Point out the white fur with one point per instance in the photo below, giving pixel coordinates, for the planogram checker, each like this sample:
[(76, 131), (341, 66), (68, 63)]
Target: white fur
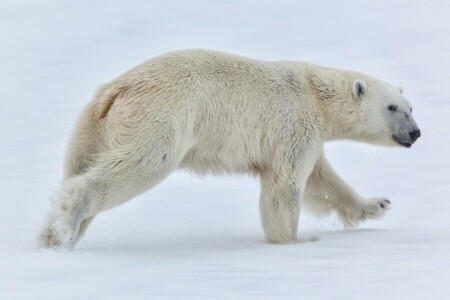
[(211, 112)]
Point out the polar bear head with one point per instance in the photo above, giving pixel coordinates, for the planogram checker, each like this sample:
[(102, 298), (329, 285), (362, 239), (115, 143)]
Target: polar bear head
[(384, 113)]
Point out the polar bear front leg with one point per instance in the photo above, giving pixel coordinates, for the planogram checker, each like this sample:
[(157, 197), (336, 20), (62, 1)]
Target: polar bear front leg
[(280, 208), (326, 191), (282, 189)]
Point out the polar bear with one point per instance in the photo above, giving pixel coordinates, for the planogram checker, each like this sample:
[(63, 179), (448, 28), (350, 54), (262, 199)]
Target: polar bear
[(212, 112)]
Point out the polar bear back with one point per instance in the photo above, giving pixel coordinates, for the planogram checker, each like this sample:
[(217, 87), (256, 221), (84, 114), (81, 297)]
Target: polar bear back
[(229, 113)]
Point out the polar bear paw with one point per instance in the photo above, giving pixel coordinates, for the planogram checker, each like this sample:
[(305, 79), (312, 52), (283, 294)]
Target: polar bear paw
[(375, 208), (57, 235)]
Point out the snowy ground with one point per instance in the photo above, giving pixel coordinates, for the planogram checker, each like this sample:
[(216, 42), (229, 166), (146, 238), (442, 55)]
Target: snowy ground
[(193, 238)]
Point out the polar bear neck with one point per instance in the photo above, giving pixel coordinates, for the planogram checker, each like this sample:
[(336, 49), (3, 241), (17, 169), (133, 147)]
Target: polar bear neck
[(333, 88)]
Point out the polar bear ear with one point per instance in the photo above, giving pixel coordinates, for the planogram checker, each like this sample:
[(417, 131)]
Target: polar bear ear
[(359, 88), (400, 89)]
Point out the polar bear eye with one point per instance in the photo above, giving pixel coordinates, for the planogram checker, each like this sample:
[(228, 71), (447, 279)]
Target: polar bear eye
[(392, 108)]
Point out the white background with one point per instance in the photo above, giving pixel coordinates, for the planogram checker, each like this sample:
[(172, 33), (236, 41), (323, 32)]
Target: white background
[(195, 238)]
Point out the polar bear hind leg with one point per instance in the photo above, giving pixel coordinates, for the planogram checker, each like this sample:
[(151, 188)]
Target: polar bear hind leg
[(117, 177)]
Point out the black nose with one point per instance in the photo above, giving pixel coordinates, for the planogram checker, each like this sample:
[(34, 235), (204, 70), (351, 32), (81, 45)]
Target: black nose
[(414, 135)]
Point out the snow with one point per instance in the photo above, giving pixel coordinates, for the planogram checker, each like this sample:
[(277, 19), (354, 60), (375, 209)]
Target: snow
[(190, 237)]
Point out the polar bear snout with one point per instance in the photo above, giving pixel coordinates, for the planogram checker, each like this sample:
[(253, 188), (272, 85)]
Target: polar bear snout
[(406, 140), (405, 130), (414, 135)]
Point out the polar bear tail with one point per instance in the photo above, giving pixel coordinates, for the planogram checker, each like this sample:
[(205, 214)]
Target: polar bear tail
[(87, 137)]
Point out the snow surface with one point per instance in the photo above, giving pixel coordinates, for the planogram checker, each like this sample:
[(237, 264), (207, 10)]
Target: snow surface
[(195, 238)]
